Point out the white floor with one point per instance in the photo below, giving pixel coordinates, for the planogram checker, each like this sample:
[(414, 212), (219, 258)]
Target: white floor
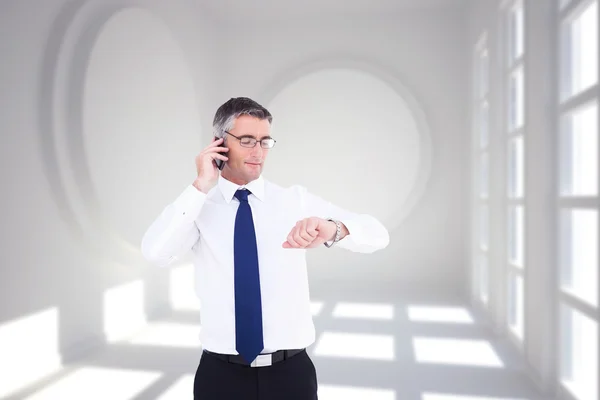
[(378, 345)]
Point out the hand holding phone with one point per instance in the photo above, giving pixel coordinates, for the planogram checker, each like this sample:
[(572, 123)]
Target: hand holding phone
[(208, 163)]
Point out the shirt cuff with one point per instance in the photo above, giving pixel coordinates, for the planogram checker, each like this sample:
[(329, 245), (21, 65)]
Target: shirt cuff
[(365, 234), (354, 231)]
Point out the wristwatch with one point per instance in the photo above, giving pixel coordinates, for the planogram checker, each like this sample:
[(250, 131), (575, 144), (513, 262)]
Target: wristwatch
[(338, 233)]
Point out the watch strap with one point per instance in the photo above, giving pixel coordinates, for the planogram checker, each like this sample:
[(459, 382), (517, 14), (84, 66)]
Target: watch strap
[(338, 233)]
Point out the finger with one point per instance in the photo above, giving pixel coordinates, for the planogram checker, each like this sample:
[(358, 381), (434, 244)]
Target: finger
[(210, 151), (311, 227), (219, 156), (216, 142), (299, 241), (304, 233), (216, 149), (300, 233), (291, 240)]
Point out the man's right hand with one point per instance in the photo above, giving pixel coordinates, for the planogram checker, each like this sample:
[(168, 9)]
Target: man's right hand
[(207, 170)]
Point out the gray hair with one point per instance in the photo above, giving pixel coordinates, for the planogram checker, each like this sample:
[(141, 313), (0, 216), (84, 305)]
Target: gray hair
[(227, 114)]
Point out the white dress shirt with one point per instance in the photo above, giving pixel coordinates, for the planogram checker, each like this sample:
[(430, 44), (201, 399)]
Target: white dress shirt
[(205, 224)]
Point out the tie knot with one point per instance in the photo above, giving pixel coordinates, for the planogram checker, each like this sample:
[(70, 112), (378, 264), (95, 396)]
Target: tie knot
[(242, 194)]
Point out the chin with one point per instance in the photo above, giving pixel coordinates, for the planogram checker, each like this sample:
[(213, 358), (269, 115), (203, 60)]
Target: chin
[(253, 175), (253, 171)]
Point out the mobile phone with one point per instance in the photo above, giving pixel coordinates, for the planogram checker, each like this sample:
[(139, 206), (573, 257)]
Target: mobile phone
[(220, 163)]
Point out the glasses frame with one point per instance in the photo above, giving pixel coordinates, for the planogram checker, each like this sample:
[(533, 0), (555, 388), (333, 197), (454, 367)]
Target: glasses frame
[(255, 141)]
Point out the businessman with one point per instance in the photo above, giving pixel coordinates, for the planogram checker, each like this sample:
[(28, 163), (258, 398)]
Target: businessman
[(249, 238)]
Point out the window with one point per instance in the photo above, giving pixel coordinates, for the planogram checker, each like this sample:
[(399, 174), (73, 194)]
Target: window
[(485, 175), (485, 227), (579, 152), (483, 277), (578, 212), (579, 253), (516, 304), (516, 27), (482, 159), (484, 133), (579, 353), (516, 169), (514, 34), (579, 52), (516, 233), (516, 99)]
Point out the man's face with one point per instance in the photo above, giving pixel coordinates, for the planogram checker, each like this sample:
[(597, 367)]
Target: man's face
[(246, 164)]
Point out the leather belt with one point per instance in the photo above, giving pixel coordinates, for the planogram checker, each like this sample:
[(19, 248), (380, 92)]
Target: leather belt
[(262, 360)]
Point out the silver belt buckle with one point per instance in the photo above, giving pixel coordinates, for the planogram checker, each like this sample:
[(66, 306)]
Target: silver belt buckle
[(262, 360)]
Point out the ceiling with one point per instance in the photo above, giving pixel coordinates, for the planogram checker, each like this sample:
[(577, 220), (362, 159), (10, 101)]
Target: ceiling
[(278, 9)]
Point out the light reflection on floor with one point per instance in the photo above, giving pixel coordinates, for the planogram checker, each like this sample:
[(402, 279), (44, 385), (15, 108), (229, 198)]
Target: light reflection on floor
[(376, 347)]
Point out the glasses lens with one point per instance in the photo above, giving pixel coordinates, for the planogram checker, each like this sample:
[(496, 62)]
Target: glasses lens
[(248, 142), (267, 143)]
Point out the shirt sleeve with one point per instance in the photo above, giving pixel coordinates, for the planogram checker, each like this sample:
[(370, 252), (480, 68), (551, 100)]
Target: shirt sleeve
[(174, 232), (366, 233)]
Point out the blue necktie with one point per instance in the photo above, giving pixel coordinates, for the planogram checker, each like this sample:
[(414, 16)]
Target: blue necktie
[(248, 310)]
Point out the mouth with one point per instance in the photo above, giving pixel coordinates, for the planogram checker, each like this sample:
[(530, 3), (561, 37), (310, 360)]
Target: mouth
[(253, 163)]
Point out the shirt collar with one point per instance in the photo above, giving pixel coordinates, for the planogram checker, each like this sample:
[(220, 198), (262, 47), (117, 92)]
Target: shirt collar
[(228, 188)]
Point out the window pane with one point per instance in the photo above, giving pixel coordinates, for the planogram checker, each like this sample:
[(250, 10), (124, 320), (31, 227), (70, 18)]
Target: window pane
[(579, 353), (515, 235), (579, 152), (484, 226), (483, 278), (579, 53), (579, 253), (515, 167), (515, 304), (483, 73), (515, 26), (516, 100), (484, 177), (484, 125)]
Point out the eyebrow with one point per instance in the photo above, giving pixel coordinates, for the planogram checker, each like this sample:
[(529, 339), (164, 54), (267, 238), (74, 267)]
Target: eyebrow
[(254, 137)]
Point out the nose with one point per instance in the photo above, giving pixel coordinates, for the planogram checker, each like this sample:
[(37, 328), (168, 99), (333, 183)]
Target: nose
[(257, 151)]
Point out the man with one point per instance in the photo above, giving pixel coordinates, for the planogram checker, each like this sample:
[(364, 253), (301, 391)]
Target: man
[(249, 236)]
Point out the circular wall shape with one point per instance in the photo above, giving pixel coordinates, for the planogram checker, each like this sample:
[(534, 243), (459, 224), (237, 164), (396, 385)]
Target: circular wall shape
[(140, 122), (350, 137), (119, 124)]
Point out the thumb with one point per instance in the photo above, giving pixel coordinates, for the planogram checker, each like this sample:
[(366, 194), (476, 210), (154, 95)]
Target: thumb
[(286, 245)]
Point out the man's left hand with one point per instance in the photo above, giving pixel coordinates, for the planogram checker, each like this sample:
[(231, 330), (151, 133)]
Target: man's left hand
[(310, 233)]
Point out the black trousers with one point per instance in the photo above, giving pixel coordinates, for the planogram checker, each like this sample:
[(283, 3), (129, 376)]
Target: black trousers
[(294, 378)]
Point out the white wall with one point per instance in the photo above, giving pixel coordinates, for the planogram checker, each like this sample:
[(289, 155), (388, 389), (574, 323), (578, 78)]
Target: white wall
[(71, 266), (61, 187), (420, 52)]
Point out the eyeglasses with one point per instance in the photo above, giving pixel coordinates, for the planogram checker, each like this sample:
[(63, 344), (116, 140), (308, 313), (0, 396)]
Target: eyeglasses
[(249, 141)]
